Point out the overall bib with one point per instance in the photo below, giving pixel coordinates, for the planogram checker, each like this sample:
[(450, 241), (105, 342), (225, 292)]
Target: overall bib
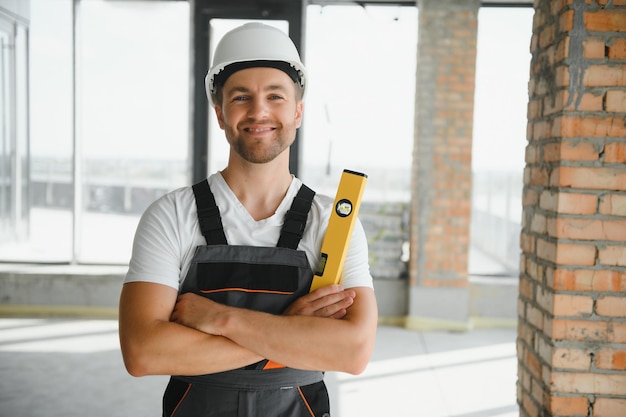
[(265, 279)]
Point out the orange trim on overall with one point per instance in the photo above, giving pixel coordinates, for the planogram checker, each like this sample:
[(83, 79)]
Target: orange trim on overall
[(181, 400), (306, 402), (246, 290), (272, 365)]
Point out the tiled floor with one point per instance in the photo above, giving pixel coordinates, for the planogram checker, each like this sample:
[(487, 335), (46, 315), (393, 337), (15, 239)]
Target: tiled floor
[(69, 367)]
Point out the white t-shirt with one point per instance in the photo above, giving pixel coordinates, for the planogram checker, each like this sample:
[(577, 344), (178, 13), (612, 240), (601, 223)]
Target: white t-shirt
[(168, 234)]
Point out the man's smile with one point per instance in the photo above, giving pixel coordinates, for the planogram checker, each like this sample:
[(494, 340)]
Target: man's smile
[(258, 129)]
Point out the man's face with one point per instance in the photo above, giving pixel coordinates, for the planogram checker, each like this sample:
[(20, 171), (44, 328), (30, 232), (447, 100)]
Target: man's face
[(259, 113)]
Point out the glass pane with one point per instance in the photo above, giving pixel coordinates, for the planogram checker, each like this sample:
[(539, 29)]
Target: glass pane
[(499, 137), (48, 203), (7, 232), (501, 97), (134, 115), (359, 106)]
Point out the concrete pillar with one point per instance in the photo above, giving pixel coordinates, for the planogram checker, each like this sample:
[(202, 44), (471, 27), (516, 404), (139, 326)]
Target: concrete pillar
[(441, 174), (571, 344)]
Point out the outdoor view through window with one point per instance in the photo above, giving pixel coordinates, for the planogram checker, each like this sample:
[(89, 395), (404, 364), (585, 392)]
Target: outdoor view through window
[(109, 138)]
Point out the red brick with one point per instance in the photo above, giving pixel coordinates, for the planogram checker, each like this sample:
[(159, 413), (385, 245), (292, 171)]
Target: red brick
[(589, 127), (534, 316), (615, 3), (589, 331), (575, 254), (610, 306), (532, 154), (541, 130), (548, 200), (609, 407), (615, 153), (607, 20), (527, 243), (592, 178), (529, 407), (566, 20), (572, 305), (534, 109), (606, 280), (589, 280), (568, 406), (587, 229), (562, 50), (604, 76), (576, 203), (587, 383), (568, 150), (546, 250), (545, 299), (537, 391), (532, 364), (589, 102), (615, 101), (617, 49), (613, 359), (613, 205), (612, 255), (539, 176), (573, 359), (557, 6), (538, 223), (593, 48), (562, 78), (546, 37)]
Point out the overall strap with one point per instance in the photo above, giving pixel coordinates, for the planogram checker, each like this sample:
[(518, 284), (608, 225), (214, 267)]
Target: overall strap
[(209, 214), (295, 219)]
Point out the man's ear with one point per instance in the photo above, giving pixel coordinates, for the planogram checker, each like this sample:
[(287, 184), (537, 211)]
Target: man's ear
[(219, 115), (299, 112)]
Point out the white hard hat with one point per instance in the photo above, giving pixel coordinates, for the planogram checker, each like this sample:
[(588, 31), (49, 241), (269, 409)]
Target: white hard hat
[(253, 45)]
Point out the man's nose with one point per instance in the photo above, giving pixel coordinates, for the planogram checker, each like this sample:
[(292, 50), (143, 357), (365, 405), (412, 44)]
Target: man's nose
[(258, 109)]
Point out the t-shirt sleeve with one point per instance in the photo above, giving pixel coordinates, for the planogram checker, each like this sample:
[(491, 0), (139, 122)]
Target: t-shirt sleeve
[(156, 254), (356, 271)]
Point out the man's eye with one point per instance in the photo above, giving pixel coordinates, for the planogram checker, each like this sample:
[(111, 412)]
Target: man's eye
[(276, 97), (240, 98)]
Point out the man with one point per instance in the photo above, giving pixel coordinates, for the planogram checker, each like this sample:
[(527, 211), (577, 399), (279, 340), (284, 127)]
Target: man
[(217, 288)]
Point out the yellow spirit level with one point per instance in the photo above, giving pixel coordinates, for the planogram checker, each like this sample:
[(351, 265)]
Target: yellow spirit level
[(338, 234), (340, 226)]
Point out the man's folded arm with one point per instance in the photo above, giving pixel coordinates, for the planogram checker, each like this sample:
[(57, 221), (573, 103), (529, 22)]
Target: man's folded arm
[(153, 345)]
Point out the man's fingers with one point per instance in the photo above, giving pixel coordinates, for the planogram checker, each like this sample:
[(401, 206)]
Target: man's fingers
[(325, 291), (331, 301)]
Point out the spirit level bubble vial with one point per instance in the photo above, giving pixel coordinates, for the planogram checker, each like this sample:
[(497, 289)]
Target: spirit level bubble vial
[(340, 226)]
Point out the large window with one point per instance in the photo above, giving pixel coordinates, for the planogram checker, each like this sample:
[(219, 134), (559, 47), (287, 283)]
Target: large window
[(360, 101), (108, 124), (133, 92)]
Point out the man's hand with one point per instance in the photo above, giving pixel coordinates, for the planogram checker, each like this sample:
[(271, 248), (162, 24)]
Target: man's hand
[(331, 301), (200, 313)]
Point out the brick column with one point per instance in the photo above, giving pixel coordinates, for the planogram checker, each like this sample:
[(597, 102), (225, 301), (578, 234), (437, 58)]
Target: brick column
[(441, 175), (572, 301)]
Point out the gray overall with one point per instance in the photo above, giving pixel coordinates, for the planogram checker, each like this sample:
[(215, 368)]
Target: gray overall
[(266, 279)]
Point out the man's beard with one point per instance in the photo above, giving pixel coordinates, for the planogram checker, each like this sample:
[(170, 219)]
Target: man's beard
[(259, 152)]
